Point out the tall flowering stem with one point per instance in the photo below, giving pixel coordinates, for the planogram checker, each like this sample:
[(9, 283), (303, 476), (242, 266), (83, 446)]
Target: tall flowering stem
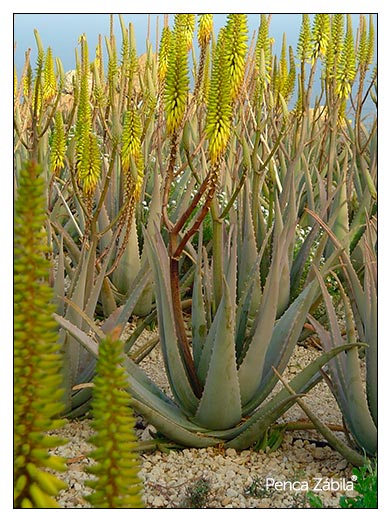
[(37, 363), (118, 484)]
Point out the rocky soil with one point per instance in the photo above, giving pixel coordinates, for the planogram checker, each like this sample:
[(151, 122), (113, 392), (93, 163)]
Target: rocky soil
[(219, 478)]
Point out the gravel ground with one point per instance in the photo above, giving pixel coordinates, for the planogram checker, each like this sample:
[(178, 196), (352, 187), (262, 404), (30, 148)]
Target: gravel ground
[(219, 478)]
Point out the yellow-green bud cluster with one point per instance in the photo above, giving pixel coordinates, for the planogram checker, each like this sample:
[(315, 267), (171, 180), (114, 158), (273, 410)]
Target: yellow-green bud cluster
[(49, 79), (37, 363), (163, 55), (236, 48), (320, 35), (58, 146), (87, 148), (117, 464), (219, 107), (304, 48), (205, 29), (132, 160), (346, 72), (177, 81)]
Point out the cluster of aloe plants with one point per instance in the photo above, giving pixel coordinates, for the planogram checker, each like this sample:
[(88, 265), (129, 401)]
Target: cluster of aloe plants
[(230, 199)]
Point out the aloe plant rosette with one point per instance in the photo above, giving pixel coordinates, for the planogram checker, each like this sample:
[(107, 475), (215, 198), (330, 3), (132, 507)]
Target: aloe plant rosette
[(231, 408)]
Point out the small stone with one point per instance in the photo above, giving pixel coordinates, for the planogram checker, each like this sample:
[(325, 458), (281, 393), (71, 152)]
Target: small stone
[(231, 493), (158, 502), (226, 501), (341, 465), (319, 454), (231, 452)]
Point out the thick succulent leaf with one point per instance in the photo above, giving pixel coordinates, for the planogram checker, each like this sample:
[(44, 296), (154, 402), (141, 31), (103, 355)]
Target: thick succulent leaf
[(338, 381), (76, 358), (255, 430), (129, 263), (142, 388), (220, 405), (205, 357), (301, 259), (248, 433), (120, 316), (350, 272), (199, 324), (79, 335), (251, 367), (102, 224), (59, 281), (283, 341), (172, 430), (370, 319), (349, 453), (231, 268), (248, 256), (174, 365), (345, 375), (244, 304)]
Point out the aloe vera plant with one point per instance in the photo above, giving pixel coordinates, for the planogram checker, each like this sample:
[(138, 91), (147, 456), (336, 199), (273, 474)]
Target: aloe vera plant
[(206, 193), (357, 400)]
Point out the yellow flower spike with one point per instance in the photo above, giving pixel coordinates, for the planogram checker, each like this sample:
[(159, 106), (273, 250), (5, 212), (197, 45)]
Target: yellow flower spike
[(205, 29), (333, 52), (305, 46), (346, 71), (163, 55), (371, 41), (263, 50), (58, 147), (90, 165), (236, 48), (131, 139), (219, 105), (189, 26), (177, 81), (49, 79), (27, 82), (320, 35)]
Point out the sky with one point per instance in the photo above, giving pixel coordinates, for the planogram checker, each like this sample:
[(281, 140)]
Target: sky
[(61, 31)]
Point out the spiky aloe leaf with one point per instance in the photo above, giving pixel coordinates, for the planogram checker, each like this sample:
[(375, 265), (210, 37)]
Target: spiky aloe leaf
[(220, 404), (243, 436), (252, 365), (199, 323), (349, 453), (345, 375), (118, 484), (284, 337), (37, 364), (248, 256), (174, 364), (173, 430)]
